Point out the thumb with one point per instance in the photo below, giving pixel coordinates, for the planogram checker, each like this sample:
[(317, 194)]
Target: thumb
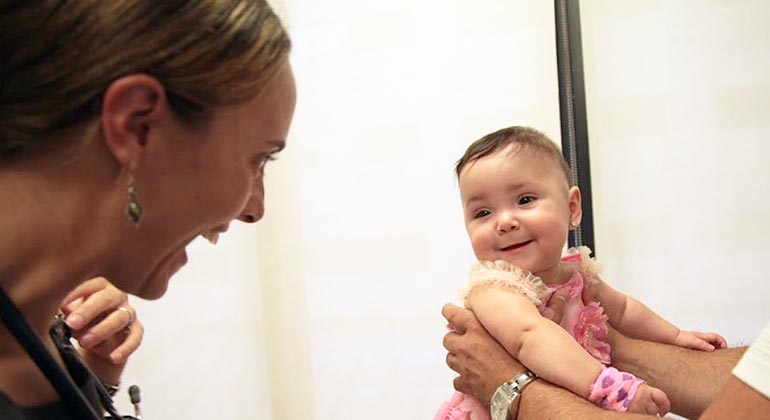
[(556, 303)]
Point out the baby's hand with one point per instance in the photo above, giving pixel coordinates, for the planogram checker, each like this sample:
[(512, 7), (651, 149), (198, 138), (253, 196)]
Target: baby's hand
[(700, 341), (650, 400)]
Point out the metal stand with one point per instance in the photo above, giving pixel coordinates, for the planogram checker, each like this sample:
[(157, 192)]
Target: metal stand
[(572, 109)]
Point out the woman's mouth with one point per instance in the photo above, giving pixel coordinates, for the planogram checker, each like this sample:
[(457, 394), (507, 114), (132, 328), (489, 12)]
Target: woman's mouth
[(212, 235)]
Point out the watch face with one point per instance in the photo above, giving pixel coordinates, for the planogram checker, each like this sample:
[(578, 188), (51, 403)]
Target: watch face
[(501, 402)]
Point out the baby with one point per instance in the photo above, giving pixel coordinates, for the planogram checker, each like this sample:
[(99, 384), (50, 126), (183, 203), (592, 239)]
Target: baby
[(519, 207)]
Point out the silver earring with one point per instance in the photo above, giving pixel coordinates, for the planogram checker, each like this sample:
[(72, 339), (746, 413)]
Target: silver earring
[(573, 223), (134, 209)]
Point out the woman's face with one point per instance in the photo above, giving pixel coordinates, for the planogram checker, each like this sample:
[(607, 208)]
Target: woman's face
[(210, 175)]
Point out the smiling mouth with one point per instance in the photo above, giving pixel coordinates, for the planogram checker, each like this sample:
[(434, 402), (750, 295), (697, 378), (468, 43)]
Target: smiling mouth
[(212, 235), (515, 246)]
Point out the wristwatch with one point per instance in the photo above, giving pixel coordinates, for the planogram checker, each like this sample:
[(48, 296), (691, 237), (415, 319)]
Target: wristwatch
[(506, 394)]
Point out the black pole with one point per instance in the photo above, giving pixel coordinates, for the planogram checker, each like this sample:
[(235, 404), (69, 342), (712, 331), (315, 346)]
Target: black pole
[(572, 109)]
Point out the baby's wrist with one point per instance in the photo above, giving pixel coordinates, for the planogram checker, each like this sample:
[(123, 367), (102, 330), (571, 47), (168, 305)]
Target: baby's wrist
[(677, 336)]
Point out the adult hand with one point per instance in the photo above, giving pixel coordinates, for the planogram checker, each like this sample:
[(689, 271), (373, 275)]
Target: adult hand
[(104, 325), (554, 305), (482, 362)]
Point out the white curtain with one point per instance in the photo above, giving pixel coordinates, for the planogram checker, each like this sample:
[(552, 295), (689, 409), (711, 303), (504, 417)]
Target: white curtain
[(329, 309)]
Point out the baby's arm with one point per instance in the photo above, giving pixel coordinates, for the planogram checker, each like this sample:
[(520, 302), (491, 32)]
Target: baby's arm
[(635, 319), (540, 344)]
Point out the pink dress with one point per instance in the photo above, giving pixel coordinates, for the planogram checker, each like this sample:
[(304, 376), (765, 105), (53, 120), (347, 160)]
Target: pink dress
[(586, 323)]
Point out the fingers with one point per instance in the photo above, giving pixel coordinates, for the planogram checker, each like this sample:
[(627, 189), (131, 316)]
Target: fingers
[(460, 385), (451, 361), (129, 345), (85, 289), (554, 309), (713, 338), (699, 344), (702, 341), (118, 346), (93, 334), (448, 337), (720, 342), (458, 317), (90, 300), (129, 314), (102, 321), (480, 361)]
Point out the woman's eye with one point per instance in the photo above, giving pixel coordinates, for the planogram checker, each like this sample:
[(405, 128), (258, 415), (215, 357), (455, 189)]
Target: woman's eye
[(527, 199), (259, 165), (480, 214)]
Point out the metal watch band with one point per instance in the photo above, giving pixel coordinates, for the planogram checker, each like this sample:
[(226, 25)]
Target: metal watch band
[(523, 380), (507, 393)]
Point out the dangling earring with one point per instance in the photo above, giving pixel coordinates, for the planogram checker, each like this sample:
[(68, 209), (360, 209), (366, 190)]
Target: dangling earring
[(134, 209)]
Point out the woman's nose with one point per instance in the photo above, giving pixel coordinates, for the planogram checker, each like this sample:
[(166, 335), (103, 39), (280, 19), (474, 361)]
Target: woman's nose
[(507, 222), (255, 207)]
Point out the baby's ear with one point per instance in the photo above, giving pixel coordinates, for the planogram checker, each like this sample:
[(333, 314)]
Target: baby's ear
[(575, 206)]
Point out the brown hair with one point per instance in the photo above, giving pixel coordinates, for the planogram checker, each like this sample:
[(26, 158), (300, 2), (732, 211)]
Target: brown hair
[(525, 137), (57, 57)]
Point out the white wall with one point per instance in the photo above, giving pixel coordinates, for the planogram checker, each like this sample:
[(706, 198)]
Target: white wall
[(364, 204), (678, 95), (329, 309)]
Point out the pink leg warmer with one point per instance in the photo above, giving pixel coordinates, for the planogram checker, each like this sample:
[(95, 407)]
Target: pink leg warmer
[(613, 389)]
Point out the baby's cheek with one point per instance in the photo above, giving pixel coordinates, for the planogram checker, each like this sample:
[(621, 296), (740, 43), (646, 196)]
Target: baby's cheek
[(481, 245)]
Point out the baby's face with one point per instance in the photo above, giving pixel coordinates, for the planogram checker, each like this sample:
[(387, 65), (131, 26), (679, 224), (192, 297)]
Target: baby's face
[(518, 207)]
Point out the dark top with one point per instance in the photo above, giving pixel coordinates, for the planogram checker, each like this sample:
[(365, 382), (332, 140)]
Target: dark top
[(53, 411), (82, 377)]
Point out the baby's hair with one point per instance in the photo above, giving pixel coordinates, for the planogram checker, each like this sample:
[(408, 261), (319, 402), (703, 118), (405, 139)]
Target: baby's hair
[(525, 137)]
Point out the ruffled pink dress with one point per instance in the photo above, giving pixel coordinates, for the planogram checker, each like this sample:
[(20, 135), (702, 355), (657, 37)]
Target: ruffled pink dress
[(587, 323)]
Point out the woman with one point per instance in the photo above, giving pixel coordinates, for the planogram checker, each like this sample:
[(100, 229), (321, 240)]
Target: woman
[(127, 129)]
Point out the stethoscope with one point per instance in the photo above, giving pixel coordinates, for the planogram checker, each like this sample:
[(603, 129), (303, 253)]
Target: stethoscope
[(69, 392), (133, 395)]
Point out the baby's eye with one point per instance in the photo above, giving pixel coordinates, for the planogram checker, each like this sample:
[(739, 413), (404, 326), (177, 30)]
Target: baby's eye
[(527, 199), (480, 214)]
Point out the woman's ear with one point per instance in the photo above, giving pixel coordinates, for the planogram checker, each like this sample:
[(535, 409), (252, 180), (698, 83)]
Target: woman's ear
[(131, 106), (575, 207)]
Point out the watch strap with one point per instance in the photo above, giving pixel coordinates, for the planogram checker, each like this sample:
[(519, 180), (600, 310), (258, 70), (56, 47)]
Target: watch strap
[(523, 379), (506, 395)]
